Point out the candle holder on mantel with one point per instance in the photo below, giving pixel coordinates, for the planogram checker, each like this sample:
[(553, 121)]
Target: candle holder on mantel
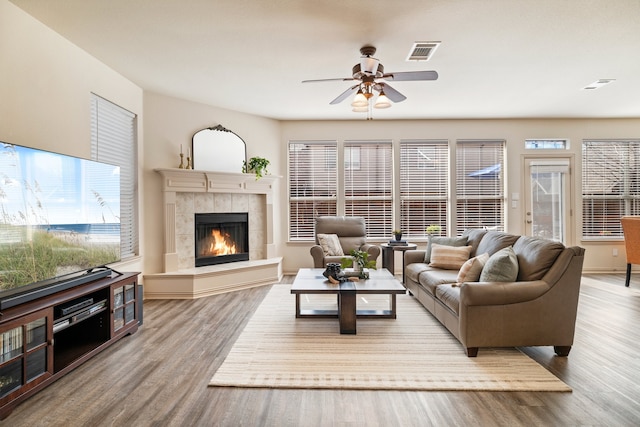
[(188, 163), (182, 161)]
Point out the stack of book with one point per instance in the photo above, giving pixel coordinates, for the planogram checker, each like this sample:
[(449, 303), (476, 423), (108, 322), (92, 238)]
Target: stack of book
[(397, 243)]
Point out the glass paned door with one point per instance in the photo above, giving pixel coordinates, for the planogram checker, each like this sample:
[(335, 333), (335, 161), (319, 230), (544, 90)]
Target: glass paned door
[(547, 209)]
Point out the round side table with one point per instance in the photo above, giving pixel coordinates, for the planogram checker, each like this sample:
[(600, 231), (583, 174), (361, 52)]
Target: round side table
[(388, 255)]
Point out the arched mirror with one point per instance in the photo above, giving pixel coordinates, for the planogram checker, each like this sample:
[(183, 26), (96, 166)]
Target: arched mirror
[(217, 149)]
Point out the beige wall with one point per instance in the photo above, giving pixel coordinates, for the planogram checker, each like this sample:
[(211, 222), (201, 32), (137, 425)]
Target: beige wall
[(170, 122), (45, 91), (599, 256)]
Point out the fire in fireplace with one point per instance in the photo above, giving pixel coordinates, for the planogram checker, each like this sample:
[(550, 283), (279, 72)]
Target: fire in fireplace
[(221, 238)]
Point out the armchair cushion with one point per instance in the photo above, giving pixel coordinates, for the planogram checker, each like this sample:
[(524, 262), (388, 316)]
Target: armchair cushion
[(330, 244)]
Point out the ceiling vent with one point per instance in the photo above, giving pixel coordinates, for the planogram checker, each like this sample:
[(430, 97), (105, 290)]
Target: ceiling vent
[(598, 84), (422, 51)]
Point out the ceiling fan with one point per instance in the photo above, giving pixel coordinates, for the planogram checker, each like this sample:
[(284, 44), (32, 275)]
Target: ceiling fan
[(368, 72)]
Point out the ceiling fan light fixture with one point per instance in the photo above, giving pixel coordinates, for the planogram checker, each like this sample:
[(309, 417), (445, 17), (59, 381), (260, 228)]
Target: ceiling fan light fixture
[(360, 100), (360, 109), (382, 101)]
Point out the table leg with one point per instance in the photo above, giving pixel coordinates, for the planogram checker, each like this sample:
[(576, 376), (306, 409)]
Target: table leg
[(388, 260), (347, 309)]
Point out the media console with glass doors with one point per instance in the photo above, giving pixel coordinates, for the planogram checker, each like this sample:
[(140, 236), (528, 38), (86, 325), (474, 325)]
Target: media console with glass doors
[(44, 339)]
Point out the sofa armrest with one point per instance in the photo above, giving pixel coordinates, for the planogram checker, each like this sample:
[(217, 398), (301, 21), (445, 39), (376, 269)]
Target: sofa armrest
[(414, 256), (500, 293), (372, 250), (318, 256)]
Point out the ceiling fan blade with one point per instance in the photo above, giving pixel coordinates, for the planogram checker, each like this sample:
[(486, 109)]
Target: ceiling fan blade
[(391, 93), (411, 75), (340, 79), (344, 95)]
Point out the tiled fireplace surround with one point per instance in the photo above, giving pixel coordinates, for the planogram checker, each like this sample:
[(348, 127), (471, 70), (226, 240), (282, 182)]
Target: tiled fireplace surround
[(187, 192)]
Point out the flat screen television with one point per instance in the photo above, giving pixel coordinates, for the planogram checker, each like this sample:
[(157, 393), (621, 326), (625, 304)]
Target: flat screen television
[(59, 222)]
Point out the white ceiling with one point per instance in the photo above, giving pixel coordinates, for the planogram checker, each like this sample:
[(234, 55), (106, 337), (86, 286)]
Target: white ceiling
[(497, 58)]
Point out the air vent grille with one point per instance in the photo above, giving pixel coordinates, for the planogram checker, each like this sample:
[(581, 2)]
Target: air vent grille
[(598, 84), (422, 51)]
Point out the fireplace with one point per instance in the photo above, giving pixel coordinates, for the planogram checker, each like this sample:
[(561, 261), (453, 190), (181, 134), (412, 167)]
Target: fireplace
[(221, 238)]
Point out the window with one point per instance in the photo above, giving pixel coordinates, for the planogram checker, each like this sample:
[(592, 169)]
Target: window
[(424, 187), (113, 140), (610, 186), (312, 185), (369, 186), (479, 185), (546, 144)]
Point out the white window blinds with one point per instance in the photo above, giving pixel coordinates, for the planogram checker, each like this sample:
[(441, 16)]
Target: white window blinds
[(312, 185), (610, 186), (113, 140), (368, 179), (479, 185), (424, 188)]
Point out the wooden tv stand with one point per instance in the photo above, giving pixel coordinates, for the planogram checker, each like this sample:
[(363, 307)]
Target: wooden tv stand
[(44, 339)]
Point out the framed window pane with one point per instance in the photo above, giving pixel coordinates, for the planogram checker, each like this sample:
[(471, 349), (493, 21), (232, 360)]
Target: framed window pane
[(424, 187), (312, 185), (368, 180), (479, 185), (610, 186)]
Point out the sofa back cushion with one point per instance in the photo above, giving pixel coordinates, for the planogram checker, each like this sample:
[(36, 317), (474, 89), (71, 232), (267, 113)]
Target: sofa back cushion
[(474, 236), (351, 230), (535, 256), (493, 241)]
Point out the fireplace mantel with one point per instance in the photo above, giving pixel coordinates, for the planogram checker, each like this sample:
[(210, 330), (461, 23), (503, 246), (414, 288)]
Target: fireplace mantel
[(189, 281)]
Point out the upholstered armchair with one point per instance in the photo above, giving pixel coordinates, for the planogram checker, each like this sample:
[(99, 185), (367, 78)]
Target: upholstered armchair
[(336, 236), (631, 229)]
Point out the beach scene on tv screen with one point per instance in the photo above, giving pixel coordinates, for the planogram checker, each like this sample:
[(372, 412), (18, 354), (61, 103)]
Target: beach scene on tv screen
[(58, 215)]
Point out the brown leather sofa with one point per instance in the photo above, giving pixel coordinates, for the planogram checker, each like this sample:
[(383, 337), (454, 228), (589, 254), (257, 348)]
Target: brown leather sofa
[(537, 309), (352, 234)]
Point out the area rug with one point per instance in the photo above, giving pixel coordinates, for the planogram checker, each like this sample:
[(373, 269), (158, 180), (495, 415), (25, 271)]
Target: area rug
[(412, 352)]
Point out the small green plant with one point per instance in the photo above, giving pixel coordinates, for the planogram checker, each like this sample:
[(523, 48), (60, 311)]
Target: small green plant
[(433, 228), (397, 231), (359, 257), (257, 165)]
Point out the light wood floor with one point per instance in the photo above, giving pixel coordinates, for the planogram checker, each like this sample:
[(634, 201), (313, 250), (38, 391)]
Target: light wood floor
[(159, 376)]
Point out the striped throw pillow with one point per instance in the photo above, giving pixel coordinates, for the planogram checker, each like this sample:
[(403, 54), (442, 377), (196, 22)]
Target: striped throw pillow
[(470, 270), (449, 257)]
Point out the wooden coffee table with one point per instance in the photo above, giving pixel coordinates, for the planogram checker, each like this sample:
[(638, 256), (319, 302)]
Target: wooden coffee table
[(311, 281)]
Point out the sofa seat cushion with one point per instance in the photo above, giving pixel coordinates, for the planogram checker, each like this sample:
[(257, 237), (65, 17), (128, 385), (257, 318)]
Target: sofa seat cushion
[(493, 241), (430, 279), (535, 256), (412, 271), (449, 295)]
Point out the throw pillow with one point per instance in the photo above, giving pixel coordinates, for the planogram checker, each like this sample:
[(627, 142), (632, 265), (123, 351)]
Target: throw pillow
[(501, 267), (330, 244), (448, 241), (449, 257), (470, 270)]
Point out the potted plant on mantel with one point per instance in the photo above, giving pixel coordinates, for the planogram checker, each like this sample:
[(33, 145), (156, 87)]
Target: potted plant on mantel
[(359, 260), (256, 165)]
